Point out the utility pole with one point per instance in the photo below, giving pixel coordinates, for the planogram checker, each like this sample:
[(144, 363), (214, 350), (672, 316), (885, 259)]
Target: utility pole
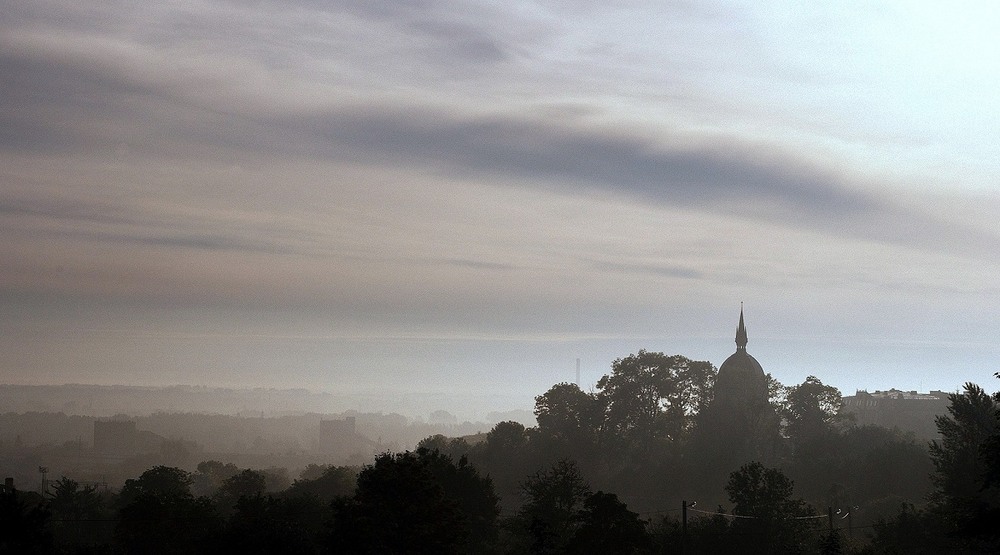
[(684, 525), (43, 470)]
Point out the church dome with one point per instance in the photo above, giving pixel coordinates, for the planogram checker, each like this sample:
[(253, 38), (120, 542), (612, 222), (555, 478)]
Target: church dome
[(740, 376), (741, 362), (739, 424)]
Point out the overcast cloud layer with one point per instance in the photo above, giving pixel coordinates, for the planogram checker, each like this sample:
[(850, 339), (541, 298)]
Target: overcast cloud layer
[(443, 196)]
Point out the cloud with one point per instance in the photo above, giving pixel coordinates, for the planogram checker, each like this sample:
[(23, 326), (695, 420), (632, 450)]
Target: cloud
[(654, 269), (448, 31), (477, 264), (61, 102), (92, 89), (124, 222), (726, 176)]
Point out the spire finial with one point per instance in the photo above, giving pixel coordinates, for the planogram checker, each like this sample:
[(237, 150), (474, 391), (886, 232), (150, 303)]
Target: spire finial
[(741, 332)]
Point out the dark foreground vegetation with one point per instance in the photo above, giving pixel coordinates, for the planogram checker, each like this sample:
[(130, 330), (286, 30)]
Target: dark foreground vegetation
[(633, 467)]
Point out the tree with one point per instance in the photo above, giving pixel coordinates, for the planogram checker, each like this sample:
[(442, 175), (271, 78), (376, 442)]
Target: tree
[(472, 493), (567, 414), (23, 524), (262, 524), (455, 448), (964, 495), (159, 514), (397, 505), (811, 408), (776, 393), (421, 502), (334, 481), (506, 437), (508, 456), (909, 532), (958, 462), (552, 500), (275, 478), (763, 498), (210, 475), (991, 450), (71, 504), (896, 467), (831, 543), (810, 411), (607, 526), (653, 396), (162, 482), (313, 471), (710, 535), (69, 501), (246, 484)]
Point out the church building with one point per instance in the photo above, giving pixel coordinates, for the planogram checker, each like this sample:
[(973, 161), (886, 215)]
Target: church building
[(740, 425)]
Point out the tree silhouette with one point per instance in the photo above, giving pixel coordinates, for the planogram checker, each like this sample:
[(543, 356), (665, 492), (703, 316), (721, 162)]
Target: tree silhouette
[(416, 503), (23, 524), (332, 482), (810, 409), (653, 396), (210, 476), (566, 414), (263, 524), (159, 514), (607, 526), (965, 496), (508, 456), (763, 498), (72, 504), (247, 483), (552, 500)]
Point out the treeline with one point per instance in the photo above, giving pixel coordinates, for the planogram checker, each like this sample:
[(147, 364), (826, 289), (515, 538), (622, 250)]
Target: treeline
[(638, 435), (626, 468)]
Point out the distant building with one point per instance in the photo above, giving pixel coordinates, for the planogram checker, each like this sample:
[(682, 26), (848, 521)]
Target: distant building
[(907, 411)]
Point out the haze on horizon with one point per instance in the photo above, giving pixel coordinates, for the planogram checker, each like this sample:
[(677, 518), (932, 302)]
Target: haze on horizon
[(462, 198)]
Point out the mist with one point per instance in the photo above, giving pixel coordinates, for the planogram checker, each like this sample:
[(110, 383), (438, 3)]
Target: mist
[(263, 263)]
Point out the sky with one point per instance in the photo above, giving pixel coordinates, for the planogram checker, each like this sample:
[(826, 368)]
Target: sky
[(461, 199)]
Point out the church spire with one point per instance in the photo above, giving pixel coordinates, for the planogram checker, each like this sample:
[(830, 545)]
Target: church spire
[(741, 333)]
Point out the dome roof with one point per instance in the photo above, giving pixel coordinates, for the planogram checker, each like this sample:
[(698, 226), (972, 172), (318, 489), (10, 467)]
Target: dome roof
[(740, 376), (741, 362)]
